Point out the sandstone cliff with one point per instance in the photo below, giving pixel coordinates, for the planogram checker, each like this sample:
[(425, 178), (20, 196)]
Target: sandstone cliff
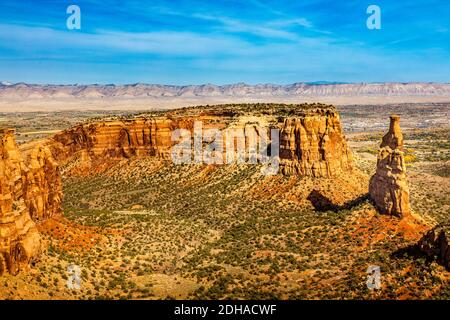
[(314, 146), (240, 90), (388, 187), (19, 238), (43, 187), (311, 138)]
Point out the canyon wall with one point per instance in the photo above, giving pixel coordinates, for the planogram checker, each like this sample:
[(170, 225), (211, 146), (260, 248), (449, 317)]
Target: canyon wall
[(30, 191), (117, 139), (314, 146), (388, 187), (19, 238), (43, 188)]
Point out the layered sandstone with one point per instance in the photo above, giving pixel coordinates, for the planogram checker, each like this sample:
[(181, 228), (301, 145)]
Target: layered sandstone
[(314, 145), (19, 238), (388, 187), (436, 244), (118, 138), (311, 138), (311, 144)]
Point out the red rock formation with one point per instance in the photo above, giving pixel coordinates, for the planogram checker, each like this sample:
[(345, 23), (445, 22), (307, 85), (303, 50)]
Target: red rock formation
[(43, 188), (116, 139), (314, 145), (311, 143), (19, 238), (388, 187), (394, 137)]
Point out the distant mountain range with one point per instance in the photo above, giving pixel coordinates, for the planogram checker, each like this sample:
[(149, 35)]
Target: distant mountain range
[(140, 90)]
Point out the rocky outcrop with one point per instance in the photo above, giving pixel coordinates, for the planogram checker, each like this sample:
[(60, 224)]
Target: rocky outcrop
[(314, 145), (19, 238), (388, 187), (30, 191), (436, 244)]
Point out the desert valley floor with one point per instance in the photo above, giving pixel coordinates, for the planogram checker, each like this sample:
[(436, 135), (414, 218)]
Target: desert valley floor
[(148, 229)]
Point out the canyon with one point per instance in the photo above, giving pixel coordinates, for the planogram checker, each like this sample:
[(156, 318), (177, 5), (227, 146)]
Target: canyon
[(436, 244), (19, 238)]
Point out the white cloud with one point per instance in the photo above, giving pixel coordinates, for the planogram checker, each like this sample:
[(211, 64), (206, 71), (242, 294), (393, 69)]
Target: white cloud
[(303, 22), (312, 58), (276, 29)]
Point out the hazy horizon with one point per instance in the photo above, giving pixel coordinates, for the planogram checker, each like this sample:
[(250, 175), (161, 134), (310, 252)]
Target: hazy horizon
[(2, 82)]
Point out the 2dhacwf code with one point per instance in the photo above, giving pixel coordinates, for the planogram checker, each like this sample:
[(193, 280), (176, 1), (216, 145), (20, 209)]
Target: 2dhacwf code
[(257, 309)]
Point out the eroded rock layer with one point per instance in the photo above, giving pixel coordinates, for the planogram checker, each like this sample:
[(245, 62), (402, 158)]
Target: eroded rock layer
[(314, 146), (43, 188), (311, 138), (19, 238), (388, 187)]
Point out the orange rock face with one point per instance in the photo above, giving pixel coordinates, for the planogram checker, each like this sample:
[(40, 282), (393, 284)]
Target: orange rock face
[(30, 190), (43, 188), (314, 145), (19, 238), (116, 139), (388, 187)]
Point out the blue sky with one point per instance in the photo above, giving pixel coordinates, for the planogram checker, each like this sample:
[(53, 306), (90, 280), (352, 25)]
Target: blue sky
[(252, 41)]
